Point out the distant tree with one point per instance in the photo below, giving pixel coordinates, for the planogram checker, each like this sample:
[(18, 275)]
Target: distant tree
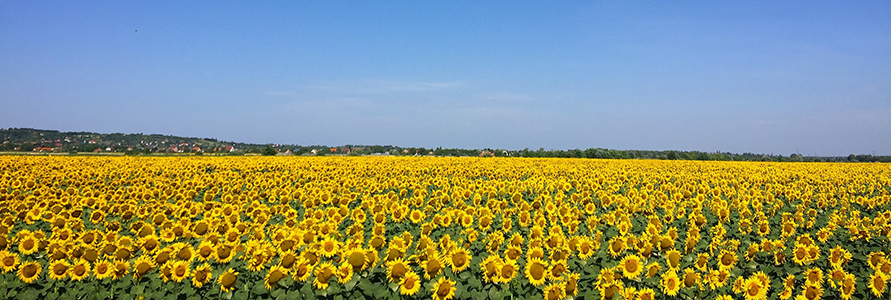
[(852, 157), (672, 155), (268, 151)]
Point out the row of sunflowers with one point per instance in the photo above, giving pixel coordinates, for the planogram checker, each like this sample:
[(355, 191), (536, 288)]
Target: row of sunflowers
[(441, 228)]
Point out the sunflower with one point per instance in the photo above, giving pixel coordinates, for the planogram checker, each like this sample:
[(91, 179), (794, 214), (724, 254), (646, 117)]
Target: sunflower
[(554, 291), (727, 259), (142, 265), (670, 283), (180, 270), (572, 283), (632, 267), (58, 269), (201, 275), (120, 268), (490, 266), (356, 258), (329, 247), (754, 289), (691, 278), (103, 269), (609, 290), (558, 267), (323, 274), (8, 261), (29, 271), (812, 292), (344, 273), (410, 283), (396, 269), (227, 280), (459, 259), (848, 286), (507, 271), (535, 271), (813, 277), (224, 253), (28, 245), (205, 251), (274, 274), (432, 266), (444, 289), (877, 283), (302, 269), (79, 270), (652, 269)]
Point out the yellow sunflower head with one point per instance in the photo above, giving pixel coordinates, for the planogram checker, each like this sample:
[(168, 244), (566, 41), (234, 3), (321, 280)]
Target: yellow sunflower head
[(58, 269), (227, 280), (536, 271), (29, 271), (201, 275), (444, 289)]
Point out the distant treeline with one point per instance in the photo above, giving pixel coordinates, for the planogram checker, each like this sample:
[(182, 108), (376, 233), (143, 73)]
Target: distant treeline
[(35, 140)]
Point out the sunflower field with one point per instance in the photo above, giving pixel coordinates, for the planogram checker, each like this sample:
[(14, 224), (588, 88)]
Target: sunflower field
[(440, 228)]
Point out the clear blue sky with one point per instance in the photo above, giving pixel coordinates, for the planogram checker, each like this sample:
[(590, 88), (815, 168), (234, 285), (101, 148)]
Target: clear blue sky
[(766, 77)]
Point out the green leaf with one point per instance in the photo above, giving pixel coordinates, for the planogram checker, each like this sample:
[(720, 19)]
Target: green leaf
[(495, 293), (240, 295), (29, 295)]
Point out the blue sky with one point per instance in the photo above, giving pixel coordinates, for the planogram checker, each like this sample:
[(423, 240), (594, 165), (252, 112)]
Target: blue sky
[(765, 77)]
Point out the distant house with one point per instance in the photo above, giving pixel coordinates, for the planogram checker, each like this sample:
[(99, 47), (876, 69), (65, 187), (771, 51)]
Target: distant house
[(314, 151), (43, 149), (230, 148), (333, 149), (92, 142), (97, 150), (197, 149)]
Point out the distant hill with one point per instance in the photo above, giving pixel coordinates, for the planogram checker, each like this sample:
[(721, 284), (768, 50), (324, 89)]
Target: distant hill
[(28, 139)]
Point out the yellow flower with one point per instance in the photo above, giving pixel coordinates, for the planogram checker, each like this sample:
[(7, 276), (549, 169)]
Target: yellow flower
[(632, 267), (58, 269), (396, 269), (848, 286), (410, 283), (29, 271), (691, 278), (227, 280), (103, 269), (329, 247), (201, 275), (649, 294), (344, 273), (877, 283), (79, 270), (8, 261), (224, 253), (670, 283), (554, 291), (572, 281), (535, 271), (507, 271), (433, 266), (459, 259), (444, 289), (302, 269), (754, 289), (323, 274), (180, 270), (28, 245), (275, 274), (142, 265)]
